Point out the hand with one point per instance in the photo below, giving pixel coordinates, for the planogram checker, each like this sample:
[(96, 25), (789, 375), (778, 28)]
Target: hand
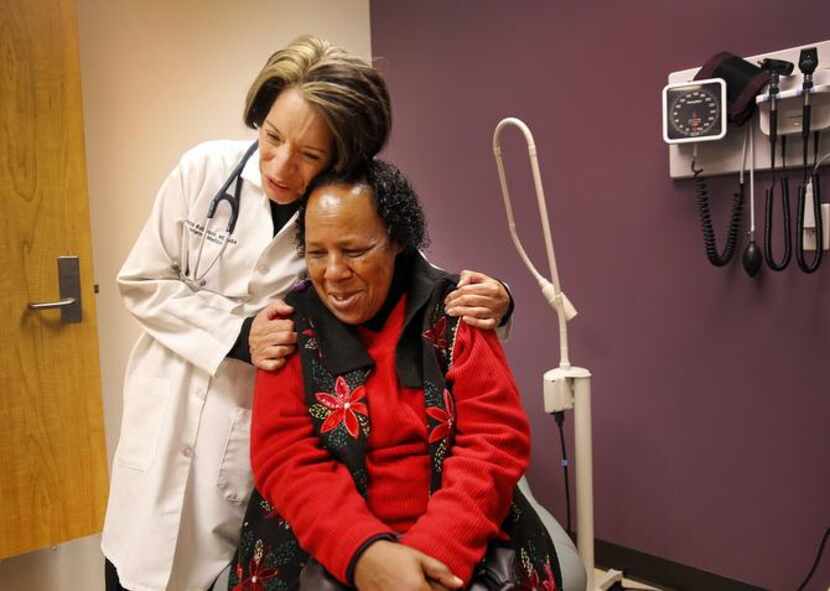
[(272, 337), (388, 565), (481, 301)]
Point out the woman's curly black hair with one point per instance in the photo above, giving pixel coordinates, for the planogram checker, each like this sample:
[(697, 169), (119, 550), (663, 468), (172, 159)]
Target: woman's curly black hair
[(395, 201)]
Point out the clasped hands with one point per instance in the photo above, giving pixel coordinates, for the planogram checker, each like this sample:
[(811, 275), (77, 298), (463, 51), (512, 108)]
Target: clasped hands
[(388, 565)]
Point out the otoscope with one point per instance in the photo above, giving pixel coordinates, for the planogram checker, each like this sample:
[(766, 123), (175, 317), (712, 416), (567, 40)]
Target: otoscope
[(807, 63), (776, 68)]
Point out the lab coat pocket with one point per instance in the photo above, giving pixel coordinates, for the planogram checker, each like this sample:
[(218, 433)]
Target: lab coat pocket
[(144, 406), (235, 477)]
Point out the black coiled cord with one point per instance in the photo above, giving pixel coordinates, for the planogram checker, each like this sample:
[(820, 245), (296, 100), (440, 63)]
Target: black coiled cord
[(702, 190)]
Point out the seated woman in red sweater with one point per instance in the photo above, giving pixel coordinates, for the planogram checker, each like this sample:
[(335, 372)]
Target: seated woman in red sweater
[(387, 452)]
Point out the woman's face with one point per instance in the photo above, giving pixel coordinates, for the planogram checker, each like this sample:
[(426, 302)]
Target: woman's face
[(348, 252), (295, 145)]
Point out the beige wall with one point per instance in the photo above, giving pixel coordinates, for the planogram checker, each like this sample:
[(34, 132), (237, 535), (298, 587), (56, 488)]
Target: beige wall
[(158, 77)]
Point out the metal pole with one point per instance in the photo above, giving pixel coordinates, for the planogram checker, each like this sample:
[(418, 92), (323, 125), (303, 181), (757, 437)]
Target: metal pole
[(583, 457)]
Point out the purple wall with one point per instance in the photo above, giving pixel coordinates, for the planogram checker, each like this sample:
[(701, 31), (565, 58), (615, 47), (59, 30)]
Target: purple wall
[(711, 405)]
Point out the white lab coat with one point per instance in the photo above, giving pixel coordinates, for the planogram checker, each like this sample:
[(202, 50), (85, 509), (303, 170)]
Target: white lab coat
[(181, 476)]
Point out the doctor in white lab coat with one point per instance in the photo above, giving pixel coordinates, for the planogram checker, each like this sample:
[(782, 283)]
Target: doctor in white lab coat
[(181, 476)]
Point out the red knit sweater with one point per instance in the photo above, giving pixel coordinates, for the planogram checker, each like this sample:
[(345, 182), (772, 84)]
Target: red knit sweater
[(317, 496)]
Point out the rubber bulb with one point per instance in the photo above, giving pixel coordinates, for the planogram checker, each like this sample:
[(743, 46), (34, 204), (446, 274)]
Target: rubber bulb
[(752, 258)]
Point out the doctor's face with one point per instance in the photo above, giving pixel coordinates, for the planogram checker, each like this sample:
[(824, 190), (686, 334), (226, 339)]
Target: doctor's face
[(295, 145), (348, 252)]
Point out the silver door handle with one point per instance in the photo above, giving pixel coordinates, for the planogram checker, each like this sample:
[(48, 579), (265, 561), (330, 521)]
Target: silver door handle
[(48, 305), (69, 283)]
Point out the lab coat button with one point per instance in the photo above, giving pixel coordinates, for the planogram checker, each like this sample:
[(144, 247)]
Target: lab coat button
[(187, 451), (262, 269)]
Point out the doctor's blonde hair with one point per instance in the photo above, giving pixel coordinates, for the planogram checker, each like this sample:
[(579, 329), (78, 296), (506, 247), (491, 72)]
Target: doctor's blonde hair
[(348, 92)]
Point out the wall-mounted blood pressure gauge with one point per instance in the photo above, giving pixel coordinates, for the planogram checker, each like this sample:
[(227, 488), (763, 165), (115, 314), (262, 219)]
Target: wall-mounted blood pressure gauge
[(694, 111)]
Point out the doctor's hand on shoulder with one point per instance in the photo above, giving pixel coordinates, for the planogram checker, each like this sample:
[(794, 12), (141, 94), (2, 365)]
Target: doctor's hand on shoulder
[(272, 338), (480, 301)]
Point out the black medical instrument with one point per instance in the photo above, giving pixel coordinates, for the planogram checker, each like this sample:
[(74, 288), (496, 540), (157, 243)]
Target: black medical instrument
[(807, 63), (752, 258), (695, 112), (743, 80), (702, 190), (195, 280), (776, 68)]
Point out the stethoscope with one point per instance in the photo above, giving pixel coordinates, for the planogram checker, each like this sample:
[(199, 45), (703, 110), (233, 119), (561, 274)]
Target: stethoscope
[(195, 280)]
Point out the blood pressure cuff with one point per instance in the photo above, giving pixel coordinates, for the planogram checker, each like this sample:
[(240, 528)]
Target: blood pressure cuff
[(744, 80)]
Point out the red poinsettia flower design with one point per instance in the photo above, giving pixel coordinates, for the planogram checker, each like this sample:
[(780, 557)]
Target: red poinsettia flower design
[(436, 334), (445, 418), (537, 584), (549, 584), (344, 403), (256, 580), (534, 583)]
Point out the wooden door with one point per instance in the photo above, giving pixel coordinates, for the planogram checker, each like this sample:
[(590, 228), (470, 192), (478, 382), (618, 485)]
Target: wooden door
[(53, 473)]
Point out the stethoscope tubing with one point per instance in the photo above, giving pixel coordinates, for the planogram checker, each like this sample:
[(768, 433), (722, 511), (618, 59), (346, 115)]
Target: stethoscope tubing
[(222, 193), (196, 280)]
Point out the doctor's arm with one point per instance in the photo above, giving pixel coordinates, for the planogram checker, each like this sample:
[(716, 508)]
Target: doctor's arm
[(267, 339), (483, 302), (200, 326)]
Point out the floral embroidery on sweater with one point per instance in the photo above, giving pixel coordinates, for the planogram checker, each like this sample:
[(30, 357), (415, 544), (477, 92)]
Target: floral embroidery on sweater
[(445, 417), (437, 334), (258, 573), (536, 583), (342, 407)]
